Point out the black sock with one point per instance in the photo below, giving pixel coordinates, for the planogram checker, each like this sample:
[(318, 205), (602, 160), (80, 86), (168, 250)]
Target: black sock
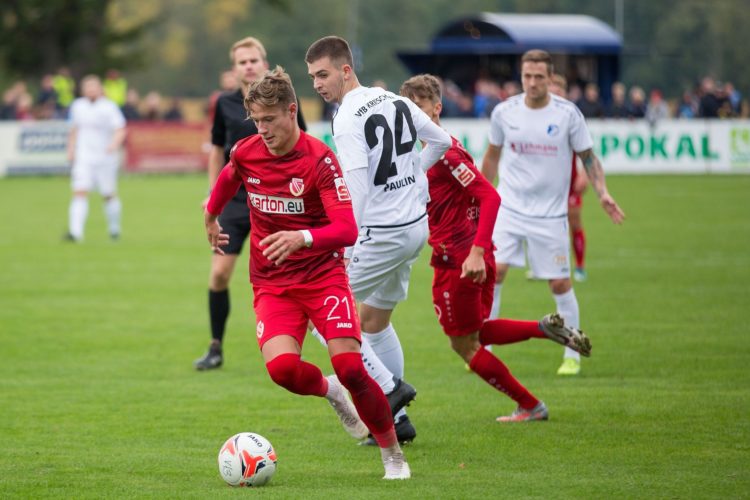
[(218, 311)]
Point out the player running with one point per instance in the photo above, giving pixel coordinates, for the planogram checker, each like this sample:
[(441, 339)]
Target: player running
[(375, 132), (462, 213), (302, 219), (537, 133)]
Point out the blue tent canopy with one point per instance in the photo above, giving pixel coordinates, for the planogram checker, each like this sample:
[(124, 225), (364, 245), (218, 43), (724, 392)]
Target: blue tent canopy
[(492, 44), (490, 33)]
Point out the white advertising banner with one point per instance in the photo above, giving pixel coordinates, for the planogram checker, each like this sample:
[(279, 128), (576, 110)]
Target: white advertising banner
[(33, 148), (634, 146)]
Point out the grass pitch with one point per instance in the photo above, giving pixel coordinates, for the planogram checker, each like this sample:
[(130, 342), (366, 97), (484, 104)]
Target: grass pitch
[(98, 397)]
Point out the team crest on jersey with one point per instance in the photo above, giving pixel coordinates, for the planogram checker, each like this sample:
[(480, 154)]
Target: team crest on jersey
[(341, 190), (552, 130), (297, 186), (463, 174)]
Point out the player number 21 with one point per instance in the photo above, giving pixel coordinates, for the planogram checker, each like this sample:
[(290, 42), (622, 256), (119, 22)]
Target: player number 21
[(336, 302), (386, 165)]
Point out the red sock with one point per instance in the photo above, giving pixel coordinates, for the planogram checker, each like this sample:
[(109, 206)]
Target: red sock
[(508, 331), (297, 376), (579, 246), (495, 373), (367, 397)]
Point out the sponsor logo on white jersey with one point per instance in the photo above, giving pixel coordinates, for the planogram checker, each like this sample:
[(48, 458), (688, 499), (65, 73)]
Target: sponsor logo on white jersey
[(253, 180), (297, 186), (463, 174), (277, 204), (341, 190)]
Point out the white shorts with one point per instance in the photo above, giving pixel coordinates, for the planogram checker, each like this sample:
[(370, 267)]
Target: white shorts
[(381, 261), (546, 240), (100, 174)]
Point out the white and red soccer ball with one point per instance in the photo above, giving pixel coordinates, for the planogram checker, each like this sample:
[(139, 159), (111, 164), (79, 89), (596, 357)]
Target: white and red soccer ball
[(247, 459)]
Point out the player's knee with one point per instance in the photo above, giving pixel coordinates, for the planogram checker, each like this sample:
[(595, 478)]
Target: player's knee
[(464, 347), (560, 286), (220, 277), (283, 370), (350, 370)]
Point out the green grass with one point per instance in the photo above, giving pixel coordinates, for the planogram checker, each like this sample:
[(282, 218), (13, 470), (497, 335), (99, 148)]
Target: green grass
[(98, 397)]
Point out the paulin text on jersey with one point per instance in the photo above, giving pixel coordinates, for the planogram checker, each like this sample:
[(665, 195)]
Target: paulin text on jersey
[(392, 186)]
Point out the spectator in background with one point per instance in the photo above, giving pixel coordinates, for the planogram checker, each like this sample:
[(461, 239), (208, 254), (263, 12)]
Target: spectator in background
[(688, 106), (130, 109), (637, 106), (115, 87), (10, 101), (486, 97), (25, 107), (227, 83), (65, 87), (510, 88), (456, 104), (152, 106), (591, 105), (725, 106), (174, 112), (619, 106), (735, 98), (574, 92), (657, 108), (47, 91), (709, 104)]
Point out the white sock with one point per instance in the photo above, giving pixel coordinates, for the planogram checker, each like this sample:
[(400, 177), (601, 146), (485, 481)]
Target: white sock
[(79, 210), (567, 306), (375, 368), (388, 348), (113, 209), (495, 309)]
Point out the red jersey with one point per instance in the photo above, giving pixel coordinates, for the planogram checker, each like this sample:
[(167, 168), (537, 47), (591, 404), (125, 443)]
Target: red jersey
[(288, 193), (457, 190)]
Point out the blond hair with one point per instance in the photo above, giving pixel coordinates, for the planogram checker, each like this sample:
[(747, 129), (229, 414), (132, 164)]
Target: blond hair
[(424, 86), (248, 42), (274, 88)]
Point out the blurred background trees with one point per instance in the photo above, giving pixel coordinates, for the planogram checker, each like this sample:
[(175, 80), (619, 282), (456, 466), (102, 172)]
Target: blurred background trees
[(180, 46)]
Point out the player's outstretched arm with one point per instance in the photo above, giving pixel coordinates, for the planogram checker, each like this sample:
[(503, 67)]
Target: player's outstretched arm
[(437, 141), (595, 173), (225, 188)]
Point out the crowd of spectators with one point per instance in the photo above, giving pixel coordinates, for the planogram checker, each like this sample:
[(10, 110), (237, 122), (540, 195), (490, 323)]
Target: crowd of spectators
[(709, 99), (55, 93)]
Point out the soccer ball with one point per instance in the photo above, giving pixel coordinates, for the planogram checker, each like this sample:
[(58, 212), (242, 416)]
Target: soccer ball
[(247, 459)]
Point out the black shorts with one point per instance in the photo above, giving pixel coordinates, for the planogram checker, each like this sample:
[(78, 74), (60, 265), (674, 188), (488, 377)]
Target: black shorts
[(235, 221)]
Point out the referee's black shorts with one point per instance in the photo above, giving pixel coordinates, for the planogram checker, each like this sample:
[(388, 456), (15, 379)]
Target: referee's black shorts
[(235, 221)]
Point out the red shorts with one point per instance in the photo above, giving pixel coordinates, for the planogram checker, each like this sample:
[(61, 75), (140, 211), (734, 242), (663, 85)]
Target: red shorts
[(460, 304), (329, 304), (575, 199)]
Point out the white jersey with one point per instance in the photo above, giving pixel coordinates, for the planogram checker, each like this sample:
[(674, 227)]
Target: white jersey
[(95, 123), (537, 147), (377, 130)]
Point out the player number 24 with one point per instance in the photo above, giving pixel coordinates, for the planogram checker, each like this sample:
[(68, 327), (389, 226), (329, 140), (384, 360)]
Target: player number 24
[(386, 165)]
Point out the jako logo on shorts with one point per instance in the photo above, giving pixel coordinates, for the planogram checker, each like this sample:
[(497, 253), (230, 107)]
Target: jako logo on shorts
[(277, 204)]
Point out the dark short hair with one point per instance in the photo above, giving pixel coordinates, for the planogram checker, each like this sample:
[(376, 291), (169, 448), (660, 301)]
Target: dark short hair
[(539, 56), (334, 47), (274, 88), (424, 86)]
